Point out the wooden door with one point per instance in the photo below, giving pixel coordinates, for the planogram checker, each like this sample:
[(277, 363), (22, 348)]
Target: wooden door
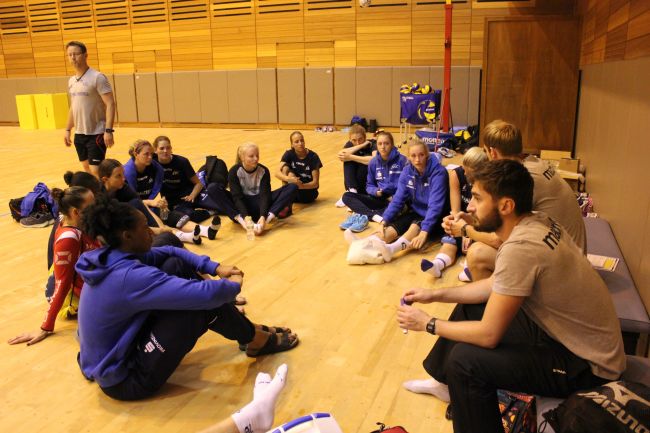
[(530, 78)]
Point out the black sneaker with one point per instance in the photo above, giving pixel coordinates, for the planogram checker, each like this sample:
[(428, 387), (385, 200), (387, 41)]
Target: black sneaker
[(285, 212), (37, 219)]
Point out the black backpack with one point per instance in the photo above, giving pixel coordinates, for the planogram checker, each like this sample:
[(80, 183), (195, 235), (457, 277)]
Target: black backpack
[(616, 407), (216, 170)]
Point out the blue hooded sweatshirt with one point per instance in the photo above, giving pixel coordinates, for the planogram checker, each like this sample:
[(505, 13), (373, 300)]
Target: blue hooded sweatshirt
[(131, 176), (384, 175), (120, 291), (426, 194)]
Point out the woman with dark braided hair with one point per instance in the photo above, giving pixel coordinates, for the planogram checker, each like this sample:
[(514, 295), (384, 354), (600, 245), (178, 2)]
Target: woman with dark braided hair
[(69, 243), (144, 308)]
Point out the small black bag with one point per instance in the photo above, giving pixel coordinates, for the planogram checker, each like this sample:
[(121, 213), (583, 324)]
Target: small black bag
[(216, 170), (616, 407)]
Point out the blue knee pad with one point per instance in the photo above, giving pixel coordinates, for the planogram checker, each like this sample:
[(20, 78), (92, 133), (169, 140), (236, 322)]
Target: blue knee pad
[(448, 240)]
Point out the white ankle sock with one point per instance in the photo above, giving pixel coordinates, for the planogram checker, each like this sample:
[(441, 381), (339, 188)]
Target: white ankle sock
[(354, 190), (184, 237), (429, 386), (440, 262), (257, 416), (400, 244), (377, 218), (270, 217), (203, 231)]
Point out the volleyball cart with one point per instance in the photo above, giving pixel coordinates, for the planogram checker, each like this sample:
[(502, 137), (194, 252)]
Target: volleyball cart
[(418, 109)]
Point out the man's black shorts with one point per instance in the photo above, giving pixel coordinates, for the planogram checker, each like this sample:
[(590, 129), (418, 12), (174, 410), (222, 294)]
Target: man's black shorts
[(90, 148)]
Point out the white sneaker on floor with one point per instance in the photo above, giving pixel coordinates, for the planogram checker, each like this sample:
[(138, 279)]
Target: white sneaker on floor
[(429, 386)]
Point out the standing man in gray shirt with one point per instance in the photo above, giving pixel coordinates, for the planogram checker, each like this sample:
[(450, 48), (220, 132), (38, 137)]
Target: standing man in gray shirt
[(92, 109)]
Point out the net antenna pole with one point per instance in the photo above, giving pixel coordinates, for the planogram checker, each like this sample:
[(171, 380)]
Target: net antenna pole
[(446, 96)]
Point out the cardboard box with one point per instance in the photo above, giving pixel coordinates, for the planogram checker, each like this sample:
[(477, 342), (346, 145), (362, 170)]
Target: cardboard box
[(569, 164)]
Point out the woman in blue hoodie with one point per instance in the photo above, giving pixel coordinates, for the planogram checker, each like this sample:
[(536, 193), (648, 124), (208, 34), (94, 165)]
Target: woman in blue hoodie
[(423, 187), (384, 171), (143, 309)]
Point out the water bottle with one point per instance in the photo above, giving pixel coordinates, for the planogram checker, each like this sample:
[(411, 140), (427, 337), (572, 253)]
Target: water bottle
[(250, 232)]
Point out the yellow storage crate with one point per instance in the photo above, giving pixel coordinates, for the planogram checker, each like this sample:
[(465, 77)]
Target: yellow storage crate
[(51, 110), (26, 112)]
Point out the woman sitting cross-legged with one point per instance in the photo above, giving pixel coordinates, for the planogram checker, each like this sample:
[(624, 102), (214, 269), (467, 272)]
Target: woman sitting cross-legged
[(384, 171), (460, 194), (424, 188), (143, 308), (301, 167), (250, 186)]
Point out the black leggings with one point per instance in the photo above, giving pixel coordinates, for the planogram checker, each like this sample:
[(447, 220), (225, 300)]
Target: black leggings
[(365, 204), (526, 360), (167, 336)]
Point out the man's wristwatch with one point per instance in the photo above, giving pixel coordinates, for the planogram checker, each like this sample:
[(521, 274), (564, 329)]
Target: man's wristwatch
[(431, 326), (463, 230), (109, 130)]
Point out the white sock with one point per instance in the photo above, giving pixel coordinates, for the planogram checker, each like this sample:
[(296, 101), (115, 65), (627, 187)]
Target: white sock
[(354, 190), (203, 231), (184, 237), (339, 203), (377, 218), (270, 217), (464, 275), (257, 416), (440, 262), (429, 386), (400, 244)]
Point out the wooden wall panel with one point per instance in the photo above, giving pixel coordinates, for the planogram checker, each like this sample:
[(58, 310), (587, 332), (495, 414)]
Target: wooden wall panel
[(17, 41), (47, 38), (319, 96), (331, 22), (150, 35), (291, 95), (279, 25), (127, 36), (267, 96), (613, 100), (384, 33), (214, 96), (428, 23), (113, 35), (146, 97), (78, 24), (190, 34), (345, 95), (614, 30), (233, 34)]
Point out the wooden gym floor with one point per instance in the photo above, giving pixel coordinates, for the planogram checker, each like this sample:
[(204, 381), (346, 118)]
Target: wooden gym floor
[(352, 357)]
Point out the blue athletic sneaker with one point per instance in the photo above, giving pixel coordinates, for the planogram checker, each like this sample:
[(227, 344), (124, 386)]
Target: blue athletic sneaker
[(360, 224), (349, 221)]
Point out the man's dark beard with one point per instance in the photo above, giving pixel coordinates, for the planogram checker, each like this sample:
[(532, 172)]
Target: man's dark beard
[(491, 223)]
